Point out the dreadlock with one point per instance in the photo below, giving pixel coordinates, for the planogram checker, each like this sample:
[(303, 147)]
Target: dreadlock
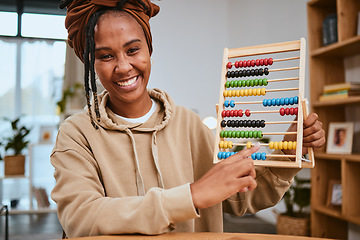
[(89, 56)]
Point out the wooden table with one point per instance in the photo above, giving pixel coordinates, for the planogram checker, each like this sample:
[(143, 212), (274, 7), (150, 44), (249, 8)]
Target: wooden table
[(202, 236)]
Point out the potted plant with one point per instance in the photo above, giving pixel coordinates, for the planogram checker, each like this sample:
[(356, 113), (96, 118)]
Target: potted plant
[(295, 222), (16, 143)]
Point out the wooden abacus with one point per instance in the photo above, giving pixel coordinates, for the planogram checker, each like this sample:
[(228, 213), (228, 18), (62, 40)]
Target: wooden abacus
[(251, 68)]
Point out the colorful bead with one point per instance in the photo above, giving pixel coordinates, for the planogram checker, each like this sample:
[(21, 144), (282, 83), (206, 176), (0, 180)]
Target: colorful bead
[(247, 112), (229, 65), (271, 145), (248, 144)]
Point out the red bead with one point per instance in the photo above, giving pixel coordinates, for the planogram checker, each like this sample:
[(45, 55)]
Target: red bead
[(240, 63), (270, 61), (287, 111), (292, 110), (282, 111), (248, 63), (247, 113), (223, 113), (229, 65), (244, 63), (237, 64), (240, 113), (231, 113), (252, 62), (265, 62), (257, 62), (296, 111), (227, 113), (261, 62), (236, 112)]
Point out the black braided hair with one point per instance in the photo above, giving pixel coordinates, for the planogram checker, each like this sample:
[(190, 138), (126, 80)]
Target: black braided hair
[(89, 57)]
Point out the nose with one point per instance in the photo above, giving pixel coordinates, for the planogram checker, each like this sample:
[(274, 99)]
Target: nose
[(123, 66)]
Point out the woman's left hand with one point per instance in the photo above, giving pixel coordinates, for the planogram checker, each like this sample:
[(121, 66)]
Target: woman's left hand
[(313, 134)]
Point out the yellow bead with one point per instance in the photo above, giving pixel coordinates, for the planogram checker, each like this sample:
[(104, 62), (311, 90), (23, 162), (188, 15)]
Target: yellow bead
[(230, 144), (263, 91), (294, 145), (271, 145), (258, 92), (281, 145), (225, 144), (250, 92), (221, 144), (285, 145), (248, 144), (242, 92), (238, 93), (233, 93), (276, 145), (225, 93), (290, 145), (246, 92)]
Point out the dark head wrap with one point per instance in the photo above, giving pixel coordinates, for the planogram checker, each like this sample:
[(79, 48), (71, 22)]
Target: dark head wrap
[(79, 12)]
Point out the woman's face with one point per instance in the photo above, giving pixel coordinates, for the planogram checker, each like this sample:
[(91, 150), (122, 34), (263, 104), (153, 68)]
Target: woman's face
[(122, 59)]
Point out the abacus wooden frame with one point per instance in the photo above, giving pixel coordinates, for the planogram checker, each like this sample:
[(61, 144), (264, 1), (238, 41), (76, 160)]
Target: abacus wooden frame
[(299, 45)]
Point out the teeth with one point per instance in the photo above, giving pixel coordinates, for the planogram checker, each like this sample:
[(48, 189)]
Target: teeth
[(127, 83)]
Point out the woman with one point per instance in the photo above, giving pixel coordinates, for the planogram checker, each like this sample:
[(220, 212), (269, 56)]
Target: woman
[(144, 165)]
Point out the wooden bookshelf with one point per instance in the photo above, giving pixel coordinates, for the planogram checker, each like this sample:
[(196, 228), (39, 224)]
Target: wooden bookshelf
[(327, 67)]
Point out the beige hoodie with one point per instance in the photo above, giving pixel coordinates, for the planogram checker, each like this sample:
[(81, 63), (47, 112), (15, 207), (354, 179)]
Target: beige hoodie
[(135, 178)]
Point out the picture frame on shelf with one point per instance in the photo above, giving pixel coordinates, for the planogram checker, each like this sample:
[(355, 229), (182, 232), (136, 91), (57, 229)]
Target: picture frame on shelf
[(334, 198), (340, 137), (46, 134)]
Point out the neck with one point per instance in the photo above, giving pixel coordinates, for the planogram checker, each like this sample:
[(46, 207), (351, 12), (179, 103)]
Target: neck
[(132, 109)]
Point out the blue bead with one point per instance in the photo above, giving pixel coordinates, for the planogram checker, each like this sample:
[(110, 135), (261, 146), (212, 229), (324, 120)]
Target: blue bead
[(273, 102), (282, 101), (296, 99), (228, 154), (220, 155), (232, 103), (287, 101), (258, 156), (263, 156), (223, 155), (264, 102), (226, 103), (269, 102), (253, 156), (291, 101), (278, 102)]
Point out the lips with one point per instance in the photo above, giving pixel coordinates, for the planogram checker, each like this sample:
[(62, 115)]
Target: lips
[(127, 82)]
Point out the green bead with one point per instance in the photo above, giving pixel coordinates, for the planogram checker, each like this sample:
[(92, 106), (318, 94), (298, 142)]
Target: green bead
[(222, 134), (248, 83), (256, 82), (238, 134), (232, 84), (260, 134), (250, 134), (255, 134), (260, 82), (246, 134), (225, 134), (251, 83), (265, 83), (233, 134), (236, 83), (243, 83), (242, 134), (227, 85)]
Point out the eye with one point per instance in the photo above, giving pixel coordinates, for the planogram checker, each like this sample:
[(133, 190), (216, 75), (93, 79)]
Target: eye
[(105, 57), (133, 50)]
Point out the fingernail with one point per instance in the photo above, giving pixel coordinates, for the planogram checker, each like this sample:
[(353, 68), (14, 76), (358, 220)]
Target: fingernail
[(257, 144)]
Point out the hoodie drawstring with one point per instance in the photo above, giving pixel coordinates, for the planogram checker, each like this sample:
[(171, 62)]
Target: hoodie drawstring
[(156, 160)]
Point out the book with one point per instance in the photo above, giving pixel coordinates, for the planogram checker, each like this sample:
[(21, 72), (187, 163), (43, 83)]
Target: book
[(341, 87), (41, 197), (338, 95)]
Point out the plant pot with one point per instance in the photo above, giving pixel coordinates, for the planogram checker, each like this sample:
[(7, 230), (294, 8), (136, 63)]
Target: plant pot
[(14, 165), (298, 226)]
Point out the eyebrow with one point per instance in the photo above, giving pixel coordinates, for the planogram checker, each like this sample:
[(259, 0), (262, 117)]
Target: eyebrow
[(125, 45)]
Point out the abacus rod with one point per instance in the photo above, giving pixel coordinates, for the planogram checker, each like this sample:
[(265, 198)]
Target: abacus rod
[(283, 122), (285, 59), (280, 133), (269, 111), (282, 89), (283, 79), (283, 69), (281, 156), (254, 102)]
